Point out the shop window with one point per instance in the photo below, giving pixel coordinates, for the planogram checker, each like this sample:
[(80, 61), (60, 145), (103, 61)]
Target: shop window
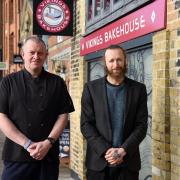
[(140, 69), (95, 69), (89, 10), (102, 12), (97, 7), (106, 5)]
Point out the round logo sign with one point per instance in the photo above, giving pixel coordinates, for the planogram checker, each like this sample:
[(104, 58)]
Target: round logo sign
[(52, 15)]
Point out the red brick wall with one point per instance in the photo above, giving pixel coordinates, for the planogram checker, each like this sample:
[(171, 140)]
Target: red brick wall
[(0, 24), (11, 15)]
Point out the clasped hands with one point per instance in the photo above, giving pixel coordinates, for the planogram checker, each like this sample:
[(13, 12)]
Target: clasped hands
[(114, 156), (38, 150)]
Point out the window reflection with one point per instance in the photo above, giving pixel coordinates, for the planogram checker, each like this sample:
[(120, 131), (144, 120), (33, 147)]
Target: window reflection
[(106, 5), (97, 7), (96, 69), (89, 10)]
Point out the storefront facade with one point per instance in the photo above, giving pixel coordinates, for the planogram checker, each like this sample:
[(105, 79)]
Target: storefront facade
[(148, 30)]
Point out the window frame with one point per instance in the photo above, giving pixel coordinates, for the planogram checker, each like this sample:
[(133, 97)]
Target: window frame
[(116, 10)]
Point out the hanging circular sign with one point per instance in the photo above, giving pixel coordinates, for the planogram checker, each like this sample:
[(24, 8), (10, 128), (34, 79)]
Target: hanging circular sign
[(52, 15)]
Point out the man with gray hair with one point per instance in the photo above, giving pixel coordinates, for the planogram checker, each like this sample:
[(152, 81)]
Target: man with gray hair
[(34, 106)]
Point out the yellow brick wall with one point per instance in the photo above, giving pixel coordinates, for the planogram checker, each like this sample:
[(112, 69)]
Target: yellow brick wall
[(77, 82), (166, 98)]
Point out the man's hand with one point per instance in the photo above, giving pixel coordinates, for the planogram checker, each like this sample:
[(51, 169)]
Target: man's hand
[(114, 156), (38, 150)]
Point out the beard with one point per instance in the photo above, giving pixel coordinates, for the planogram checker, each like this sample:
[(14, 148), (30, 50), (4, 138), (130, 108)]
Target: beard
[(116, 73)]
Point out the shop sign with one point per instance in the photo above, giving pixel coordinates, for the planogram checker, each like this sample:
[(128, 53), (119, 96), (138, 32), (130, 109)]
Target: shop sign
[(141, 22), (64, 145), (52, 17)]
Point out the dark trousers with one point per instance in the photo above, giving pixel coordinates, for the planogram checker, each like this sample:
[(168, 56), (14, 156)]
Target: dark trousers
[(112, 173), (30, 171)]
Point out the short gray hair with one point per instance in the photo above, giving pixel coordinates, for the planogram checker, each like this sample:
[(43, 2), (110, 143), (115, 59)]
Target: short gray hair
[(35, 39)]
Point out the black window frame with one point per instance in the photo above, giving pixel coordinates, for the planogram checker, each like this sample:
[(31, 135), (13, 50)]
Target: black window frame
[(117, 10)]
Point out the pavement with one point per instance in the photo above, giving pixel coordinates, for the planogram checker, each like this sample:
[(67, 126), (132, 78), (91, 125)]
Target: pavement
[(65, 174), (64, 171)]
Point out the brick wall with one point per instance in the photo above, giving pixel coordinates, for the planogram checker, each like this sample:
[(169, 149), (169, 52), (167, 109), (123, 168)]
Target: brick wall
[(54, 47), (160, 107), (77, 81), (11, 16), (166, 97), (174, 69)]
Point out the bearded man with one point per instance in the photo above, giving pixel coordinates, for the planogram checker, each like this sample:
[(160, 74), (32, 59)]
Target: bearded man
[(114, 121)]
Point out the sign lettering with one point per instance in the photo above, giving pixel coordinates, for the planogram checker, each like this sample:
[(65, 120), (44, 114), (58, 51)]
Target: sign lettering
[(145, 20)]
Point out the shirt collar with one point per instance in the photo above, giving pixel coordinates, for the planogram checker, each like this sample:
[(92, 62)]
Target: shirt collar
[(29, 76)]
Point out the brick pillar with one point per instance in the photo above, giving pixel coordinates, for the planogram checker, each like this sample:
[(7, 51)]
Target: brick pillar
[(166, 97), (76, 86), (160, 107), (175, 105), (174, 68)]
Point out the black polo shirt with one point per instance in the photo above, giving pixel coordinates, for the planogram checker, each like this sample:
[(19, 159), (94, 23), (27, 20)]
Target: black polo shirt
[(33, 105)]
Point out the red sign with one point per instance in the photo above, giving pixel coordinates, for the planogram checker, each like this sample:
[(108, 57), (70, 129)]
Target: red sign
[(53, 16), (145, 20)]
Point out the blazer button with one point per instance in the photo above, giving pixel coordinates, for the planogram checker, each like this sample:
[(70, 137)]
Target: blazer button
[(42, 125), (29, 109)]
